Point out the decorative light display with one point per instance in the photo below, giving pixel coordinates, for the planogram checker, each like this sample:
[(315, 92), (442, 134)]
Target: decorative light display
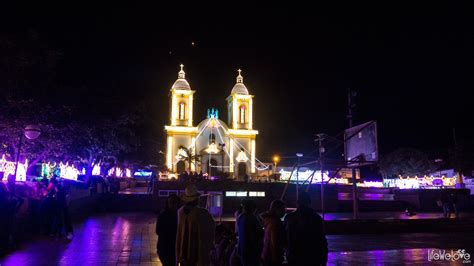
[(303, 176), (212, 149), (213, 113), (8, 168), (420, 182), (66, 171), (96, 169), (242, 157), (370, 184), (119, 172), (143, 173)]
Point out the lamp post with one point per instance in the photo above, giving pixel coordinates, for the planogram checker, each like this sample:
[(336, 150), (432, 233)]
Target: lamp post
[(276, 159), (31, 132), (298, 155), (320, 140)]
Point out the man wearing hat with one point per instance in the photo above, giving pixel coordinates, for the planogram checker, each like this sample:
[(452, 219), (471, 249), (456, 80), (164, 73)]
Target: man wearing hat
[(195, 236)]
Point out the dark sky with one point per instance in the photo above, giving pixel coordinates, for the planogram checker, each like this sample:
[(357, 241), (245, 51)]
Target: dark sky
[(411, 65)]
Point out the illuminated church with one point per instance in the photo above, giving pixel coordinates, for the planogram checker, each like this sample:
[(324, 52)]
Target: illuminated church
[(212, 146)]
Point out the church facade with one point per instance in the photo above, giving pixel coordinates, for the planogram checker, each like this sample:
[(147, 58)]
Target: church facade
[(212, 146)]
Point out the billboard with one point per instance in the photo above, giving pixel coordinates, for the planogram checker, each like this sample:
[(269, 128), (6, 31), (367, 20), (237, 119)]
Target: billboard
[(360, 144)]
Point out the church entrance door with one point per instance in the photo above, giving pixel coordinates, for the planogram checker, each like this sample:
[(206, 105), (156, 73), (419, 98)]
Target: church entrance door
[(242, 170), (210, 169)]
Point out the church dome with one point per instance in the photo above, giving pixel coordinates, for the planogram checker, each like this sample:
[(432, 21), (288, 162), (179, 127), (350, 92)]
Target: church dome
[(181, 83), (239, 87)]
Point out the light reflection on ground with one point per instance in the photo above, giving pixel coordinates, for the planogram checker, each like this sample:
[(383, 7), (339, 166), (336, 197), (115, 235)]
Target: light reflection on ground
[(129, 238)]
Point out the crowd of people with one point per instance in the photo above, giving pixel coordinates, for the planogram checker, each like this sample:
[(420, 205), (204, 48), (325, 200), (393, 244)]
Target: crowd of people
[(448, 200), (54, 215), (188, 235)]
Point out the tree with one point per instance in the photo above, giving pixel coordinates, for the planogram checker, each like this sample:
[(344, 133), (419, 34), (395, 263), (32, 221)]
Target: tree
[(104, 139), (54, 139), (189, 156), (406, 162)]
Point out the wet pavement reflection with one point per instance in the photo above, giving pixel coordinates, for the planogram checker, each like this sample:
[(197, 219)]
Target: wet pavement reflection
[(130, 239)]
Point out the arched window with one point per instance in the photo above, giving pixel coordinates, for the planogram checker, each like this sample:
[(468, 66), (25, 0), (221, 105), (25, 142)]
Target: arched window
[(212, 138), (242, 114), (182, 110)]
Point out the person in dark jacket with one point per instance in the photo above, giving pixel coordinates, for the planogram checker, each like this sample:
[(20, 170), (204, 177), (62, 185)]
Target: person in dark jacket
[(307, 244), (250, 233), (445, 201), (166, 227), (274, 240)]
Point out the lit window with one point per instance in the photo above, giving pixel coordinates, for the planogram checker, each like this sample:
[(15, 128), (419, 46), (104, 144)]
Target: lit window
[(181, 111), (230, 193), (212, 138), (256, 193), (242, 114), (241, 193)]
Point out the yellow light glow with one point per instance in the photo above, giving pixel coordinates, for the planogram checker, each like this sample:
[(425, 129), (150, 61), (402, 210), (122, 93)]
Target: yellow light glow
[(276, 159), (252, 157), (243, 132), (212, 148), (183, 92), (190, 111), (231, 155), (242, 157), (234, 113), (178, 129), (250, 113), (169, 158), (174, 110), (242, 96)]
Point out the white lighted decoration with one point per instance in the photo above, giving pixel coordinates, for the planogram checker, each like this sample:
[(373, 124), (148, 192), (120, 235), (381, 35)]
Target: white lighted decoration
[(242, 157), (96, 169), (242, 114), (169, 158), (420, 182), (303, 176), (8, 168), (68, 171), (119, 172), (181, 111), (252, 157), (212, 148)]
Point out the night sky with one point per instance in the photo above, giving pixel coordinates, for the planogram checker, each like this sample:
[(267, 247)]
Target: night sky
[(412, 66)]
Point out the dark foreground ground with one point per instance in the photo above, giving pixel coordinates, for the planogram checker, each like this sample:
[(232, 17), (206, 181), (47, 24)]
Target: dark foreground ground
[(129, 239)]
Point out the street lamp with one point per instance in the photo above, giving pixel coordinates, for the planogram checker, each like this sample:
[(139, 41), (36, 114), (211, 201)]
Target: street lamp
[(31, 132), (298, 155), (276, 159)]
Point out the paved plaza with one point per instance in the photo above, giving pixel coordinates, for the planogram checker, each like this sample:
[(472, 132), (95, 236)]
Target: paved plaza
[(129, 239)]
